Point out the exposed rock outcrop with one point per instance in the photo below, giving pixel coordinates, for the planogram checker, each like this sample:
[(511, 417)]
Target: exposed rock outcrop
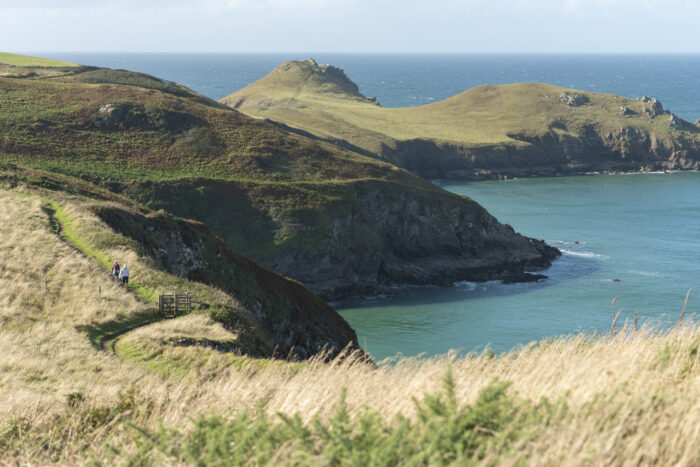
[(624, 110), (573, 99), (677, 123), (128, 115), (654, 107)]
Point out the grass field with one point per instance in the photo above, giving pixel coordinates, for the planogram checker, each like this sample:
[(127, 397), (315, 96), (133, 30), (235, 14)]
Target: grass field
[(28, 61)]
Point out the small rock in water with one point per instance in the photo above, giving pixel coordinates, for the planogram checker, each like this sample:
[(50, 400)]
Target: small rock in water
[(517, 277)]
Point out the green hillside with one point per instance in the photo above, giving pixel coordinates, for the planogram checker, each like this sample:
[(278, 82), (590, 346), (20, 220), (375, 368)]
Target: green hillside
[(28, 61), (338, 221), (270, 315), (488, 130)]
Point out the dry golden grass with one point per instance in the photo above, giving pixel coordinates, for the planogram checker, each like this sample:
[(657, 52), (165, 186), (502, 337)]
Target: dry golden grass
[(44, 357), (632, 399)]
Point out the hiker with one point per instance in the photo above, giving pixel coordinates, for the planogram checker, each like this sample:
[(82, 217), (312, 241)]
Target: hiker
[(124, 275), (115, 270)]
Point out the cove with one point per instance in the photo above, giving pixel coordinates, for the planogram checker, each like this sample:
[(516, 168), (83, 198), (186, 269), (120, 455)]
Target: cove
[(635, 237)]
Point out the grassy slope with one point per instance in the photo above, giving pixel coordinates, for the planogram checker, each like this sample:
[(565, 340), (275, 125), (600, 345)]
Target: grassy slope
[(155, 135), (240, 284), (28, 61), (487, 115), (161, 138), (64, 402)]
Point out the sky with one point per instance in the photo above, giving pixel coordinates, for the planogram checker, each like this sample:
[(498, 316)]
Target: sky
[(359, 26)]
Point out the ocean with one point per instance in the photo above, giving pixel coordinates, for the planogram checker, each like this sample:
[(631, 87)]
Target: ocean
[(632, 238)]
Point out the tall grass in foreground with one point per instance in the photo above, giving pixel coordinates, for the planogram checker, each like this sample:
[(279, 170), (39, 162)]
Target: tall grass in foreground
[(623, 399), (629, 399)]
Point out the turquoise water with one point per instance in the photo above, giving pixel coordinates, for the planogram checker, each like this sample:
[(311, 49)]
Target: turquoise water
[(641, 229)]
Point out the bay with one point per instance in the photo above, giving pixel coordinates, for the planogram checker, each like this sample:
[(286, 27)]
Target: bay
[(634, 237)]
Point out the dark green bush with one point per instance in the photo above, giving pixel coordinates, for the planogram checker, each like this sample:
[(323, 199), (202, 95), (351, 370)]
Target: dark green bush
[(443, 433)]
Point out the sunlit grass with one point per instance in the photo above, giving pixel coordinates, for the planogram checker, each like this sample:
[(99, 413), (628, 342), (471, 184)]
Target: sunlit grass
[(25, 60)]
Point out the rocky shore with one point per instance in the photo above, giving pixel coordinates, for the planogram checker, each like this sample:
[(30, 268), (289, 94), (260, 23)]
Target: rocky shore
[(409, 238)]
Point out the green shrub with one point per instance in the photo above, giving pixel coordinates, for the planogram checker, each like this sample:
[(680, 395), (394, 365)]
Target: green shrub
[(443, 433), (74, 398)]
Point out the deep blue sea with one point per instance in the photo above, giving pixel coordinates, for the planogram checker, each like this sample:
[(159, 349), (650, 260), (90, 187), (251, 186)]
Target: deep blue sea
[(408, 80), (634, 237)]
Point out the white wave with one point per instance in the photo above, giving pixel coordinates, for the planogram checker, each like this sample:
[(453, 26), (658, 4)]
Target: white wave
[(566, 243), (584, 254), (465, 285), (646, 273)]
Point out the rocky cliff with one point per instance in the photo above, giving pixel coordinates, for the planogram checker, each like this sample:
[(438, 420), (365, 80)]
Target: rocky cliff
[(372, 234), (398, 237)]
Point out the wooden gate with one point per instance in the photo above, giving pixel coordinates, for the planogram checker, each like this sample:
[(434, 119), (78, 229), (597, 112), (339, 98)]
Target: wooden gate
[(171, 305)]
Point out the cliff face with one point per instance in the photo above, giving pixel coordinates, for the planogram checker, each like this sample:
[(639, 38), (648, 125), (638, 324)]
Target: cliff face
[(404, 238), (626, 149), (375, 234)]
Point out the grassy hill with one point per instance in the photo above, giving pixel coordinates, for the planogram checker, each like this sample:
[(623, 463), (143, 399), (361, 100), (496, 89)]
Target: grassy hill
[(28, 61), (488, 131), (305, 208), (269, 315)]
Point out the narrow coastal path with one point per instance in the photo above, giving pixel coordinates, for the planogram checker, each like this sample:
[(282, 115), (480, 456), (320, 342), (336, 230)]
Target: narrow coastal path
[(108, 342), (104, 336)]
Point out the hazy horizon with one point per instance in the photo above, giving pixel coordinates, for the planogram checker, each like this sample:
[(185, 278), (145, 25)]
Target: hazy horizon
[(351, 26), (325, 52)]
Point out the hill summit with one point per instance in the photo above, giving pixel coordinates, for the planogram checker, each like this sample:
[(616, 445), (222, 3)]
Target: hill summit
[(294, 78)]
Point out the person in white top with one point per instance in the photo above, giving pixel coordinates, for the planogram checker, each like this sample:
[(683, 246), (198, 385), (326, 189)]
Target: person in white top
[(124, 275)]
